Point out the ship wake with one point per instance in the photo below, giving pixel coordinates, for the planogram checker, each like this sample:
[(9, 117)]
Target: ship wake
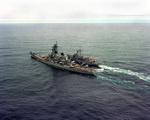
[(141, 76)]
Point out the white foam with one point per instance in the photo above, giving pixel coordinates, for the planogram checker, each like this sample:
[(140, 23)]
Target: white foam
[(99, 70), (129, 72)]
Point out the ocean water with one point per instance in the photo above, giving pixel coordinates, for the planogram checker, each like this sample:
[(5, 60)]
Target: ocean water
[(120, 90)]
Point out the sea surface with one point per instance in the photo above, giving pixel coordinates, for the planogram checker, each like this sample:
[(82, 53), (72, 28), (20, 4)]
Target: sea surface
[(120, 90)]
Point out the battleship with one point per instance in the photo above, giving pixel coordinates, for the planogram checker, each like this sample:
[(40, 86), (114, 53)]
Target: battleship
[(73, 63)]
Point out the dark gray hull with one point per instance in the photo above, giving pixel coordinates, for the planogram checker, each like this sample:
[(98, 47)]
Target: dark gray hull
[(60, 66)]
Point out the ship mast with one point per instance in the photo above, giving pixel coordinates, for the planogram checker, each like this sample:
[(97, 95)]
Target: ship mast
[(54, 50)]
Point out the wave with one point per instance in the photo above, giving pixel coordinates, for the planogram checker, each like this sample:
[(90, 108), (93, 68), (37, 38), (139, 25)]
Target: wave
[(142, 76)]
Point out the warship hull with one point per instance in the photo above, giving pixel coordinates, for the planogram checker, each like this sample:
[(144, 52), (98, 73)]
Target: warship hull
[(87, 71)]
